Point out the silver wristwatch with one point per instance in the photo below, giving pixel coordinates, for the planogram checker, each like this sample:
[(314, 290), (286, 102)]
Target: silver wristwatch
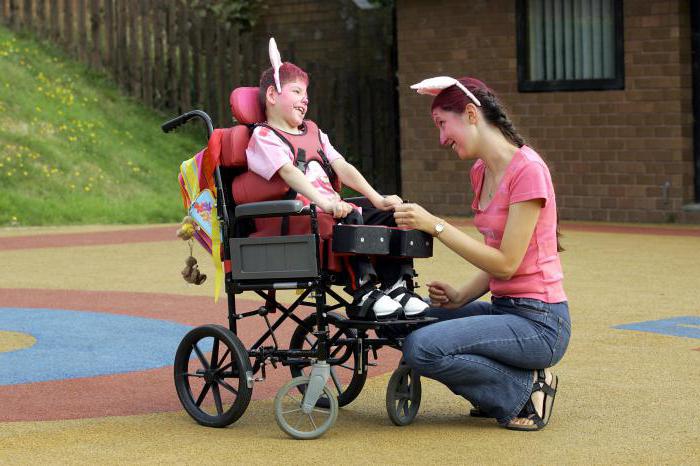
[(438, 228)]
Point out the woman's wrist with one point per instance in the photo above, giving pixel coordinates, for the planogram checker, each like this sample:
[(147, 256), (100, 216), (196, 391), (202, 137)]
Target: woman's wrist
[(376, 199), (436, 226)]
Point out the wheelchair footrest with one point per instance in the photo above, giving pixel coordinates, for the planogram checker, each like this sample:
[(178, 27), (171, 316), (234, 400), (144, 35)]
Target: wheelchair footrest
[(361, 239), (367, 324)]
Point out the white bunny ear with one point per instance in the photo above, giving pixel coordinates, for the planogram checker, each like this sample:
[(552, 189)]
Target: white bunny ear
[(433, 86), (276, 61)]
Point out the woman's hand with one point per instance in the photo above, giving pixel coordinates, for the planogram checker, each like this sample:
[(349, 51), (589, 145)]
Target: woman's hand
[(414, 216), (444, 295), (388, 203)]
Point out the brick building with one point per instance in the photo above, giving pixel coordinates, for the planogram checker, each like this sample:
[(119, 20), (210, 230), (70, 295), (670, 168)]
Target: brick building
[(621, 153)]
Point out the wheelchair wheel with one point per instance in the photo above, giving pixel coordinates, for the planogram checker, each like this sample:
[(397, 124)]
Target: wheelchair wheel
[(345, 367), (212, 372), (403, 396), (296, 423)]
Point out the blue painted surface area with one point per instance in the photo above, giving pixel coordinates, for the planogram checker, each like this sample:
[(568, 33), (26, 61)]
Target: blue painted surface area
[(686, 326), (71, 344)]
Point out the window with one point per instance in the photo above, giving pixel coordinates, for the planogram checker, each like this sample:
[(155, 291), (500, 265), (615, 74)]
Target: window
[(569, 45)]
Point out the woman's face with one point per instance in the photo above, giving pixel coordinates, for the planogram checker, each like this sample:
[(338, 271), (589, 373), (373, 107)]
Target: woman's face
[(456, 132)]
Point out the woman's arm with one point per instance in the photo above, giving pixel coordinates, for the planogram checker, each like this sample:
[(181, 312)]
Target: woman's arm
[(351, 177), (500, 263)]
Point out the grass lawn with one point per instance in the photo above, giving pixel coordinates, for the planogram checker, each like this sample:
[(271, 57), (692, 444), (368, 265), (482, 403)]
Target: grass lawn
[(74, 150)]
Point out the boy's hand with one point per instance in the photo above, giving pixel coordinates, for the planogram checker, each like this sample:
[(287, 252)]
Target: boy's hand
[(339, 209), (389, 202)]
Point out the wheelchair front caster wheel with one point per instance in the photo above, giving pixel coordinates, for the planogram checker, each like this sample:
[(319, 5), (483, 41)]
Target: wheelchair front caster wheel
[(403, 396), (293, 421), (346, 372)]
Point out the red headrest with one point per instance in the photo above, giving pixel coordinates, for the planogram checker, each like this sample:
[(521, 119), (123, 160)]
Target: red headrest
[(245, 106)]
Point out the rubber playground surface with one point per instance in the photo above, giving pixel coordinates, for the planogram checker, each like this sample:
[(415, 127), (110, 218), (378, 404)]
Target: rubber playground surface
[(90, 318)]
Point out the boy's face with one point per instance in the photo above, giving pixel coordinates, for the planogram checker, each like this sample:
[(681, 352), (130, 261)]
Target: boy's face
[(290, 105)]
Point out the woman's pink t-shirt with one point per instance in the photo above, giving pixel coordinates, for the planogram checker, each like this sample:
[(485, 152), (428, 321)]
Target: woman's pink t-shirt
[(540, 273), (267, 153)]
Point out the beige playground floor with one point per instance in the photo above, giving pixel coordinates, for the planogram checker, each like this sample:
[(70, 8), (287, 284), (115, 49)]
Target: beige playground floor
[(626, 397)]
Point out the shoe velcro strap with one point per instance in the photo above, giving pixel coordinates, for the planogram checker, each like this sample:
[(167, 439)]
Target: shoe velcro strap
[(367, 306), (402, 290)]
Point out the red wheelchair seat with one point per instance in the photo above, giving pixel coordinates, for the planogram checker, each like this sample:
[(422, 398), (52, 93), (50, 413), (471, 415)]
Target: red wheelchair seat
[(228, 147)]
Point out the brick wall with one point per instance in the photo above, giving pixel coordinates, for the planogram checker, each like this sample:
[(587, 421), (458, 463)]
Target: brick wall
[(610, 152)]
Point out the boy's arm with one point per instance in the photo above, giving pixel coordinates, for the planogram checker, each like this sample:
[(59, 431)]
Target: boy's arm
[(350, 176), (299, 183)]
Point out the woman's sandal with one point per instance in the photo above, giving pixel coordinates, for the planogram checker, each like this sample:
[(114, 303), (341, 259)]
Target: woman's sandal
[(529, 412)]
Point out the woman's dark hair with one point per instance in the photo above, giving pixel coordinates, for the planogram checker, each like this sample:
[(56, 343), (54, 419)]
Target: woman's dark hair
[(454, 99)]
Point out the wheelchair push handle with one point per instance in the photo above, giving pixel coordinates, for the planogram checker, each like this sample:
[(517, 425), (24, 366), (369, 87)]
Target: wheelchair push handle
[(185, 117)]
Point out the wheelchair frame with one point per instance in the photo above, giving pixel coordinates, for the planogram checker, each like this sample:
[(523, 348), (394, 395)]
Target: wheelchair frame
[(350, 341)]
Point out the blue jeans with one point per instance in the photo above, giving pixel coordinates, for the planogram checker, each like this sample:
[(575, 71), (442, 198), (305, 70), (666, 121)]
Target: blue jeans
[(486, 352)]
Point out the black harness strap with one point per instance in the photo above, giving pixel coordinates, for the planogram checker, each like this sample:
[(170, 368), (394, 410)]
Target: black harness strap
[(332, 176), (300, 161)]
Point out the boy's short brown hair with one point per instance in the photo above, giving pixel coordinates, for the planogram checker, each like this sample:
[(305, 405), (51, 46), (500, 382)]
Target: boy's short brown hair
[(288, 72)]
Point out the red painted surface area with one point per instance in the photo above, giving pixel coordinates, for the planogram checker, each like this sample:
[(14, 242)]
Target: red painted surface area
[(58, 240), (136, 392), (167, 233)]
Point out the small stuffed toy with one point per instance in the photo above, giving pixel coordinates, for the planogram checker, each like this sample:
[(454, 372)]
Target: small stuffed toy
[(191, 272), (186, 231)]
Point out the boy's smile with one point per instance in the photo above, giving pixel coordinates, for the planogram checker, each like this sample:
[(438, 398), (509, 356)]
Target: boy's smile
[(289, 107)]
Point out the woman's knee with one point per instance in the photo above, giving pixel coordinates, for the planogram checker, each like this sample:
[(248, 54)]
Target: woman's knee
[(416, 352)]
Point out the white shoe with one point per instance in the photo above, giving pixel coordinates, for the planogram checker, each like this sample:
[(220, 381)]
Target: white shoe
[(383, 306), (413, 305)]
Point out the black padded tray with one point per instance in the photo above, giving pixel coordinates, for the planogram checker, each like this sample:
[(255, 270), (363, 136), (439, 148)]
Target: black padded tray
[(361, 239), (410, 243)]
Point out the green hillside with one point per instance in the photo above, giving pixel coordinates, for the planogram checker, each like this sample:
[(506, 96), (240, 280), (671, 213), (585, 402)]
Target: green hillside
[(73, 150)]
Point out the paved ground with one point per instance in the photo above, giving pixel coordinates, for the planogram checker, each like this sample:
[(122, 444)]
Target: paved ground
[(90, 318)]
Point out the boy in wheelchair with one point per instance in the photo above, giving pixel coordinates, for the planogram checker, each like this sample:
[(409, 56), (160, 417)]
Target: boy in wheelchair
[(301, 154)]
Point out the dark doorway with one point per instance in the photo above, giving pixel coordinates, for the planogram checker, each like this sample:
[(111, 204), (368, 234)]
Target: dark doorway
[(695, 38)]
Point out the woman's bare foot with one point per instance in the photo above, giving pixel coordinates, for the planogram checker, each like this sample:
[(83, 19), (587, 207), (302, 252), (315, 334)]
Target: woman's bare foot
[(537, 401)]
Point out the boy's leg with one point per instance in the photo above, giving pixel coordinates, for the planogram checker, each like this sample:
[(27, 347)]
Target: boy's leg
[(363, 278), (486, 357), (396, 275), (362, 269), (389, 271)]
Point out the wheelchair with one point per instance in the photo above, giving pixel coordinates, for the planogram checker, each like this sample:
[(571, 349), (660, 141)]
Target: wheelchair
[(270, 243)]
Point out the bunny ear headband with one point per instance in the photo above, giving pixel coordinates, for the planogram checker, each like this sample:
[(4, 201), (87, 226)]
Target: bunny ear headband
[(433, 86), (276, 61)]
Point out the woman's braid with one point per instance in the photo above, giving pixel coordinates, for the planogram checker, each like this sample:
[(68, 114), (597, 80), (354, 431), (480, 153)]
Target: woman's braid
[(493, 110)]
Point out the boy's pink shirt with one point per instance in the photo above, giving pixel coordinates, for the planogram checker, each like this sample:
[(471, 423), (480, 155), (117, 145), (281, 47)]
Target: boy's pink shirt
[(267, 153), (540, 274)]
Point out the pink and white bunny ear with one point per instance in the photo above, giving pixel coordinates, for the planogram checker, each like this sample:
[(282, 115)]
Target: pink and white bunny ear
[(276, 61), (433, 86)]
